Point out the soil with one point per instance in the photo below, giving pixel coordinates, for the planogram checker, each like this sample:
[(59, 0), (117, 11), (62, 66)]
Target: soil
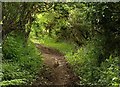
[(56, 70)]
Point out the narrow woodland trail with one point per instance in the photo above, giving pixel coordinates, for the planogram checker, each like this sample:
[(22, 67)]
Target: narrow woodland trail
[(58, 71)]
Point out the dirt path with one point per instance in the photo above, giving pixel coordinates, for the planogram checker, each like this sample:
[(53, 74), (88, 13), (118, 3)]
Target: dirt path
[(58, 71)]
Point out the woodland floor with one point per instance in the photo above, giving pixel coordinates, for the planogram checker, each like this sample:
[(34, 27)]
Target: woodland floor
[(57, 71)]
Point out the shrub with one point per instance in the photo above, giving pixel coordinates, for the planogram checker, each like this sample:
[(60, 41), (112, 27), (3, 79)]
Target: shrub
[(85, 63), (20, 63), (109, 72), (13, 46)]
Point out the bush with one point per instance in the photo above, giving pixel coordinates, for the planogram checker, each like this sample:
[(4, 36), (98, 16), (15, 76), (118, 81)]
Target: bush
[(85, 63), (109, 72), (20, 63)]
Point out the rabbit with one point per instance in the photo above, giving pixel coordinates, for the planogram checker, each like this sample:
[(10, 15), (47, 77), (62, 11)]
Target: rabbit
[(56, 63)]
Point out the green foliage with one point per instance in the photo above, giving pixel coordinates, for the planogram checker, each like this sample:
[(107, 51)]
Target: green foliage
[(105, 19), (78, 25), (62, 46), (13, 47), (109, 72), (93, 26), (63, 22), (20, 16), (86, 64), (20, 61), (12, 82)]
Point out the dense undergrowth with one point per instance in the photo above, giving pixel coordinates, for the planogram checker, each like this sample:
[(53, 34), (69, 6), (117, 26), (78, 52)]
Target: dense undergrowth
[(21, 62), (91, 71)]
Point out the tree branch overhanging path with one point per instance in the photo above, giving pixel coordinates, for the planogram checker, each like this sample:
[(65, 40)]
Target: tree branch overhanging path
[(60, 72)]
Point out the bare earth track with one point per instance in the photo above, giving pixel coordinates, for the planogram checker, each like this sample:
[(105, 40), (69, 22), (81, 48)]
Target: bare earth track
[(57, 71)]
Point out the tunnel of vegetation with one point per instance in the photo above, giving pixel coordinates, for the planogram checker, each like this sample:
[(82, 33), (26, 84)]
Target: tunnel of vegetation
[(92, 29)]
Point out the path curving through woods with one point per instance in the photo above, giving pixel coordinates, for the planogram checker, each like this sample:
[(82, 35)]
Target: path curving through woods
[(58, 71)]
